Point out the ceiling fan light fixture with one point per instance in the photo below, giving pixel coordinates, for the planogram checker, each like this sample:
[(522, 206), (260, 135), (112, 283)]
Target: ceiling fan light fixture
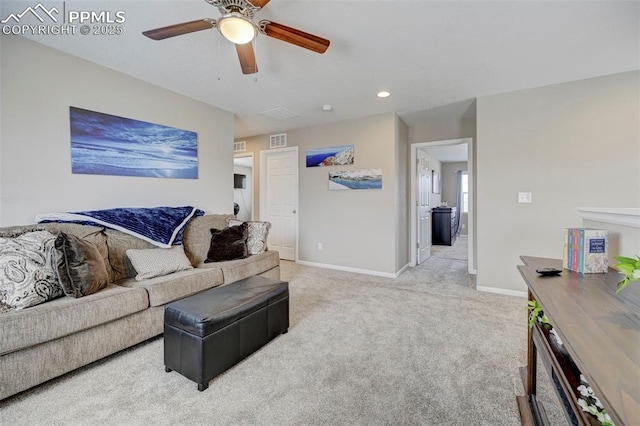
[(237, 28)]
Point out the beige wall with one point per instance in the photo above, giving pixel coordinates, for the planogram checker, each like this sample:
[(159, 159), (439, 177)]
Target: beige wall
[(358, 229), (402, 194), (572, 145), (38, 86), (440, 130)]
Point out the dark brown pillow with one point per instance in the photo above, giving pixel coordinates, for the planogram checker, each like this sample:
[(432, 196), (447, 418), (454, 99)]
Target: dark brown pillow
[(81, 268), (228, 244)]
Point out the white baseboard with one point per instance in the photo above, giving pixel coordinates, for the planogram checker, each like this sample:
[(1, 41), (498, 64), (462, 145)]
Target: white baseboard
[(503, 291), (356, 270), (401, 271)]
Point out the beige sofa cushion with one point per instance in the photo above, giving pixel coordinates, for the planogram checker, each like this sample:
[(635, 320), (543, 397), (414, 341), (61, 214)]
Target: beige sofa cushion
[(66, 315), (234, 270), (118, 244), (177, 285), (197, 235)]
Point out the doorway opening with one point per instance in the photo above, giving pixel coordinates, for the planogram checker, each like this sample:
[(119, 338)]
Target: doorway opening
[(243, 187), (449, 165)]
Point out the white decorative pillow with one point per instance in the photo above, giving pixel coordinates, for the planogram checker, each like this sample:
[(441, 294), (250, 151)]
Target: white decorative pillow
[(258, 233), (156, 262), (27, 273)]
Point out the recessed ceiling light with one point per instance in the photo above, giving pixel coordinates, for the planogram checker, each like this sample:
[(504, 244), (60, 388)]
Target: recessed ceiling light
[(383, 94)]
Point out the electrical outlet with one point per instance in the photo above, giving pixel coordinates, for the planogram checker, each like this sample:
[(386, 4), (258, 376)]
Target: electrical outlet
[(319, 246), (464, 226)]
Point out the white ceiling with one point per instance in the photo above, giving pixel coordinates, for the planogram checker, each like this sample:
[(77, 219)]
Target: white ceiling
[(426, 53), (449, 153)]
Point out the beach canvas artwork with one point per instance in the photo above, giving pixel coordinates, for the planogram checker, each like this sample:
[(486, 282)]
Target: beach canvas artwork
[(355, 179), (332, 156), (103, 144)]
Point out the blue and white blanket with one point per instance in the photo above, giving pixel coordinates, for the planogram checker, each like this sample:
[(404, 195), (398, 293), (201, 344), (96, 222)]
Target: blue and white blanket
[(160, 226)]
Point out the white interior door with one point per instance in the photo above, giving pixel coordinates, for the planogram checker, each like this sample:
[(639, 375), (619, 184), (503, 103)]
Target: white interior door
[(423, 211), (279, 199)]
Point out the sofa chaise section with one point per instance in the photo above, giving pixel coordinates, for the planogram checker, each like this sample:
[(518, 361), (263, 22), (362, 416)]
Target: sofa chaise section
[(47, 340)]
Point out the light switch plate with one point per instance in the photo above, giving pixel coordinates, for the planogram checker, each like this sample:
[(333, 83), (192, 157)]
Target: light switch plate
[(524, 197)]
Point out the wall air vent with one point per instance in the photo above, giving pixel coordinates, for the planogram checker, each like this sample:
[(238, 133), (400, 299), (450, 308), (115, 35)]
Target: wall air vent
[(278, 141), (240, 146)]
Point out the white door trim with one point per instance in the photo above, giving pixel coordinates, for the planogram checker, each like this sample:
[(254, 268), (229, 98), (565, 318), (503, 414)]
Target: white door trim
[(412, 198), (263, 178)]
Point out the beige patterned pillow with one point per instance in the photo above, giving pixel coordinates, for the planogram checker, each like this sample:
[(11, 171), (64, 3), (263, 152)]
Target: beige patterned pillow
[(27, 275), (258, 233), (156, 262)]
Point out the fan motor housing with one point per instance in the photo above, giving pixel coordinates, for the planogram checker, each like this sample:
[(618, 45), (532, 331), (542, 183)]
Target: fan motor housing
[(241, 6)]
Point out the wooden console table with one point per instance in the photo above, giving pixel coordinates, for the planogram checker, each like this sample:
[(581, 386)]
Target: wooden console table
[(600, 331)]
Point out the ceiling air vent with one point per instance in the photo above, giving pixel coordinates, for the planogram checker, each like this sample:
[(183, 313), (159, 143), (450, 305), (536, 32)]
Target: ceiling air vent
[(278, 141), (280, 113), (240, 146)]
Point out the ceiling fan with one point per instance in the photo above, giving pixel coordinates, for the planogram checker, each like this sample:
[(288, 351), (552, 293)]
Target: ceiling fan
[(236, 25)]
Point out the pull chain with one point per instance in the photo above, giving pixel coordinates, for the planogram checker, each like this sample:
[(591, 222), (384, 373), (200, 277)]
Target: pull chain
[(218, 40)]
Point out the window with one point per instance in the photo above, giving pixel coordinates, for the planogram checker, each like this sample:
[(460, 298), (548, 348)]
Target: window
[(465, 192)]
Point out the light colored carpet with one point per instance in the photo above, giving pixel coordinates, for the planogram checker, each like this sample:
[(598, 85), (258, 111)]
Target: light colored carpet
[(458, 251), (421, 349)]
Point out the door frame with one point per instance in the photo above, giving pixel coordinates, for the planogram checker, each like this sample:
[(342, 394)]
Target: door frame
[(264, 154), (413, 228)]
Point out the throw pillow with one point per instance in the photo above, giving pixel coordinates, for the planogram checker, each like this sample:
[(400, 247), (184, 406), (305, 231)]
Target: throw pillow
[(27, 276), (197, 238), (228, 244), (258, 233), (81, 268), (156, 262)]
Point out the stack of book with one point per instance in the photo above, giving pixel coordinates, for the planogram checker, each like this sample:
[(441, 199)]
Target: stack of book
[(585, 250)]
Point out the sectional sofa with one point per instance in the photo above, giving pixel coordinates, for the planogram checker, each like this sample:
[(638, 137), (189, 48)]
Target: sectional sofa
[(47, 340)]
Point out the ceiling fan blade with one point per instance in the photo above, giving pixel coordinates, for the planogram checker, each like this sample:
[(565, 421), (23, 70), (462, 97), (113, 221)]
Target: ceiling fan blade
[(293, 36), (247, 58), (259, 3), (180, 29)]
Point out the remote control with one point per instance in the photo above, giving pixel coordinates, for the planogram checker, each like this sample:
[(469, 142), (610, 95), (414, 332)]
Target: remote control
[(549, 271)]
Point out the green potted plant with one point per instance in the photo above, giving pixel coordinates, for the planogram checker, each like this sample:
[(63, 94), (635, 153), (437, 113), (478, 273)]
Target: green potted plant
[(630, 267)]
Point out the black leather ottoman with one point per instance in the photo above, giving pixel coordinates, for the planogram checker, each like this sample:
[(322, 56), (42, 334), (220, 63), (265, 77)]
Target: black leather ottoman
[(209, 332)]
